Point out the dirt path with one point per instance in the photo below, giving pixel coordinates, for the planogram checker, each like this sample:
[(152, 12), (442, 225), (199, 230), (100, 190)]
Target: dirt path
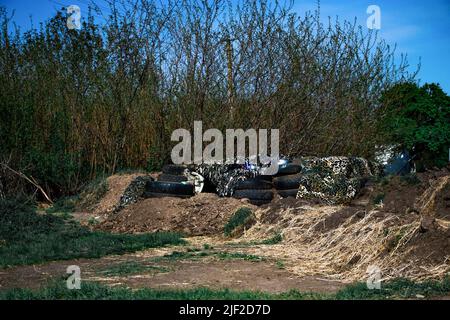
[(220, 266)]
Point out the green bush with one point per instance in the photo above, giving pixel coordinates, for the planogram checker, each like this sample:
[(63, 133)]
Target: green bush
[(418, 119)]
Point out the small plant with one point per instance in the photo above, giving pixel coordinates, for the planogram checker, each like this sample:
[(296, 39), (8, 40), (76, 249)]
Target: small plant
[(241, 218), (222, 255), (207, 247), (92, 221), (238, 256), (279, 264), (274, 240)]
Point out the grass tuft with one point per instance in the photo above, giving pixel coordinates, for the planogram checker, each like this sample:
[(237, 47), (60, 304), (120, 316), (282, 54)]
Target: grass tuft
[(131, 267), (239, 218)]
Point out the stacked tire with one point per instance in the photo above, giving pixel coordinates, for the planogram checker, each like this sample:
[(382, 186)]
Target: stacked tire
[(287, 180), (171, 183), (258, 190)]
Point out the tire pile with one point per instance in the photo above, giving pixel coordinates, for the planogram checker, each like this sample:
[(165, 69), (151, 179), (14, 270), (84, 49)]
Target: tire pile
[(174, 182), (287, 180), (171, 183), (258, 190)]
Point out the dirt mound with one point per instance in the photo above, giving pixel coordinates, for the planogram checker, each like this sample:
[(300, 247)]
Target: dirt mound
[(344, 241), (384, 227), (116, 186), (203, 214)]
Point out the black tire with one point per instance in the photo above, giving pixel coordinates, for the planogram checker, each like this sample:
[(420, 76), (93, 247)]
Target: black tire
[(259, 202), (174, 188), (174, 169), (254, 194), (288, 193), (255, 183), (289, 169), (287, 182), (172, 178), (163, 195)]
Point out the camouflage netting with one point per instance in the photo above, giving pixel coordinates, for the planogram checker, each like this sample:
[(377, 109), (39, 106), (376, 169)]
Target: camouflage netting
[(332, 180), (133, 192), (224, 177)]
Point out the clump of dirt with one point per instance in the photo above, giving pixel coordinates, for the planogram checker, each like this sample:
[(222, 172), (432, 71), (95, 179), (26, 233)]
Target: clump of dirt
[(203, 214), (430, 248)]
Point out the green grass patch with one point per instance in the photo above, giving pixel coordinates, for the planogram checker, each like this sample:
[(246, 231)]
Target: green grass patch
[(130, 268), (239, 218), (95, 291), (269, 241), (27, 238), (221, 255), (64, 205), (238, 256), (396, 289)]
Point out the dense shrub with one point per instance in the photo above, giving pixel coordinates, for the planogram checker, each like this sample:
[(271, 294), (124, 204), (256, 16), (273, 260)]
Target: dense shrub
[(418, 119), (81, 103)]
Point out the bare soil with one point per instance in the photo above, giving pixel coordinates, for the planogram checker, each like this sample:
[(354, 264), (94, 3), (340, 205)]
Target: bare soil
[(116, 187), (210, 272)]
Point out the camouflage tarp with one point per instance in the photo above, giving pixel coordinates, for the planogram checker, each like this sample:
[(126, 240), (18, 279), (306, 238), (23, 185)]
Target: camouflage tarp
[(133, 192), (225, 176), (332, 179)]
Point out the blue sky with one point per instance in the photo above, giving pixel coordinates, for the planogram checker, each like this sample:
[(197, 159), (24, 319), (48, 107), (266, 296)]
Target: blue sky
[(419, 28)]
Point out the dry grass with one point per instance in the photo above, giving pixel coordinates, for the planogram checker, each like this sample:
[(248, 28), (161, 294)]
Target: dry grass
[(427, 202), (345, 252)]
